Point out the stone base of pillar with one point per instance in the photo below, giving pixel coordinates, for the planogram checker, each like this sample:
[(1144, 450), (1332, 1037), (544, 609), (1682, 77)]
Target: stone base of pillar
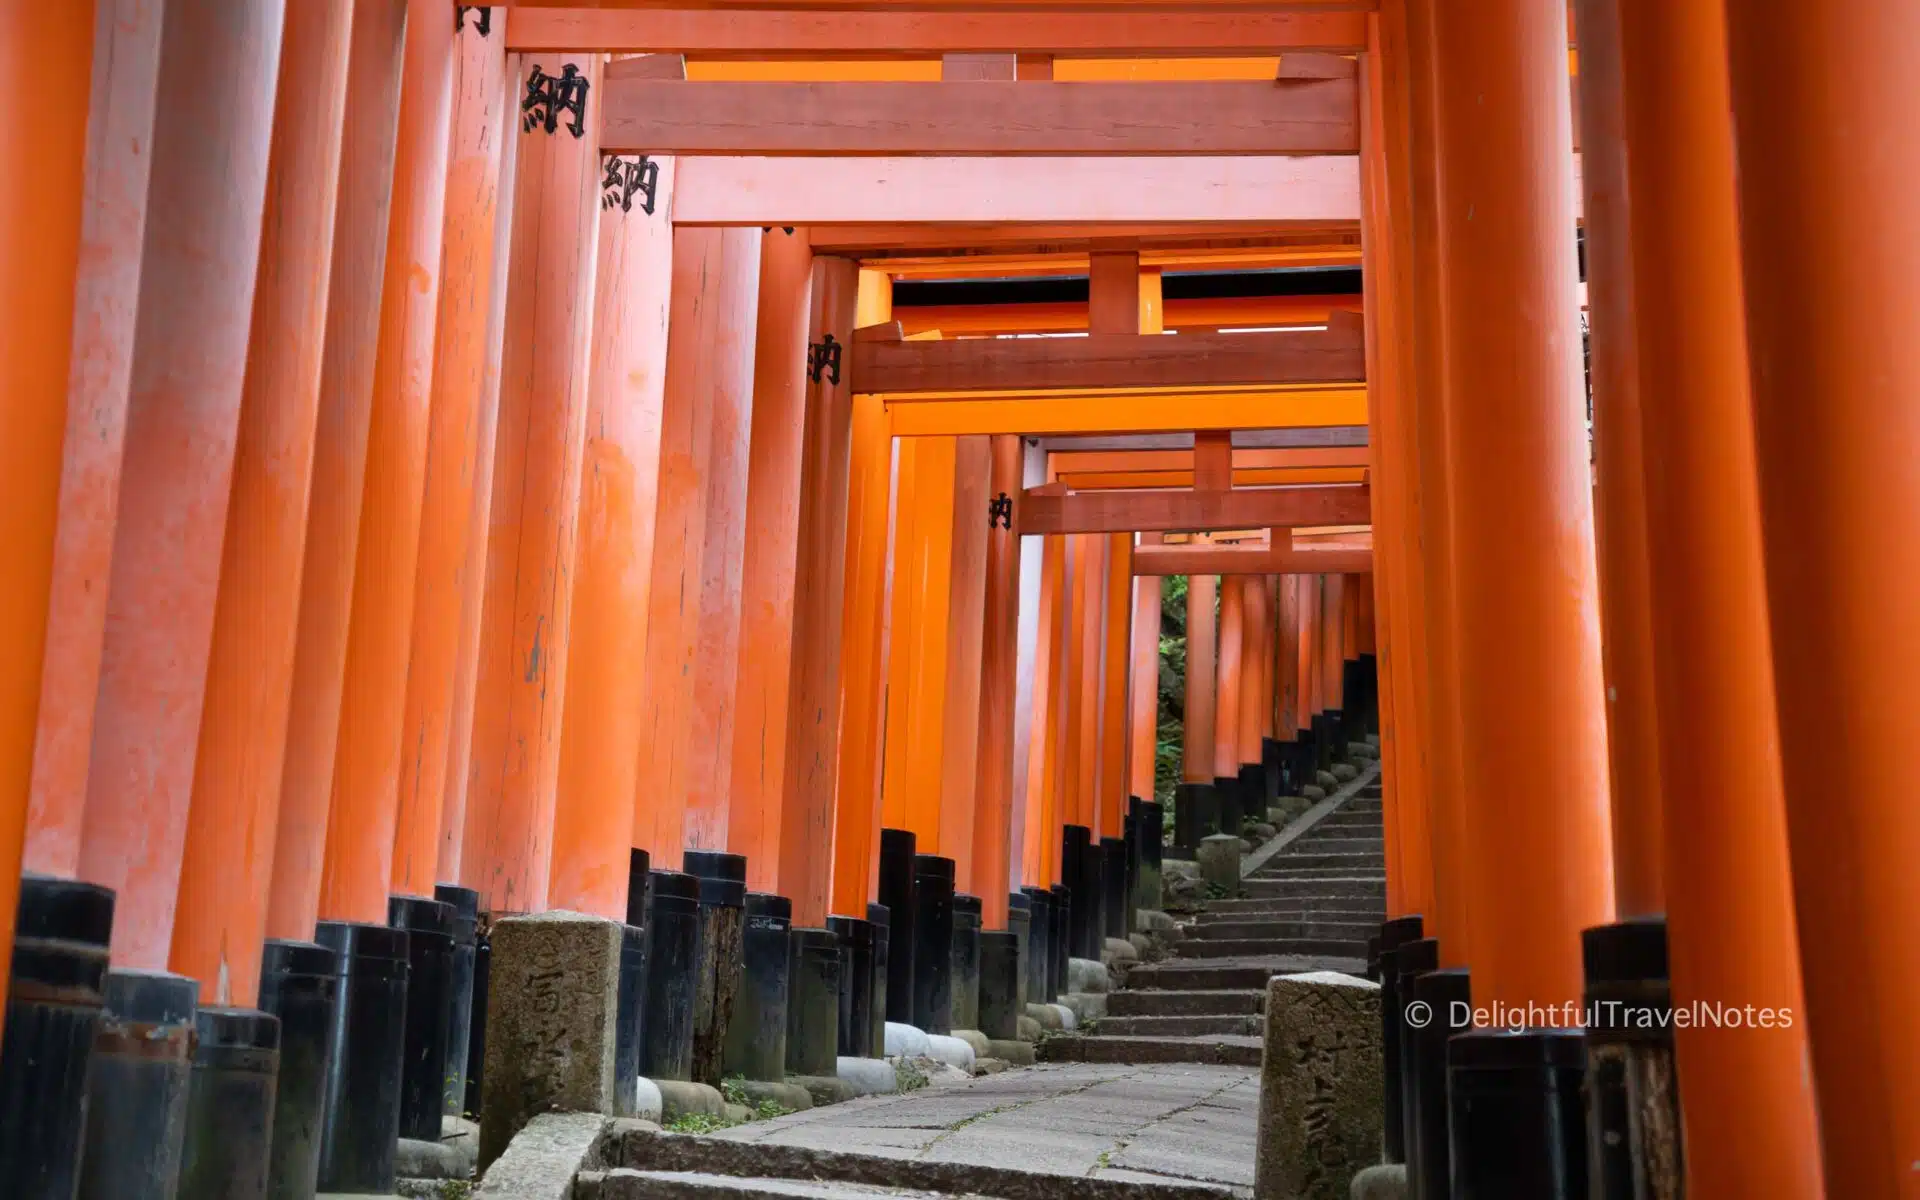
[(552, 1021), (1320, 1086), (364, 1053), (300, 984), (966, 962), (1196, 815), (429, 925), (723, 922)]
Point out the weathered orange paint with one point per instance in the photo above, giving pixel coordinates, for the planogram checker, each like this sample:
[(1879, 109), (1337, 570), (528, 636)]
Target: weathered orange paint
[(339, 466), (232, 822), (1619, 489), (808, 838), (619, 481), (358, 870), (461, 417), (716, 277), (999, 655), (709, 745), (857, 790), (777, 450), (1228, 670), (1202, 643), (521, 677), (1750, 1111), (40, 239), (490, 126), (1521, 500), (205, 200), (1143, 702), (119, 153)]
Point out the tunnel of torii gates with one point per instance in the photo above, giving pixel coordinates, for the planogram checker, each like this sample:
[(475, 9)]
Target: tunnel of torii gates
[(451, 445)]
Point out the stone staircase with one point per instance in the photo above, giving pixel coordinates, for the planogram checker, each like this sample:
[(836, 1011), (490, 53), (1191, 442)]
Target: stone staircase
[(1309, 904)]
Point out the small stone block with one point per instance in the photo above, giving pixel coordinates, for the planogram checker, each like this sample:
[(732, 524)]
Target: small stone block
[(1086, 975), (1386, 1181), (1327, 780), (789, 1096), (1219, 857), (1029, 1029), (683, 1098), (1320, 1086), (1046, 1016), (825, 1090), (541, 1161), (1313, 793), (552, 993), (1014, 1053), (1345, 772), (1121, 950)]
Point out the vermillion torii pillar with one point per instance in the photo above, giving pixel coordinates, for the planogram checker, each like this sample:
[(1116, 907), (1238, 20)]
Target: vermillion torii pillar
[(39, 247), (1533, 725), (231, 827), (1619, 489), (1202, 628), (521, 681), (368, 768), (206, 196), (361, 209), (460, 437), (613, 551), (1750, 1117), (993, 789), (119, 155), (1819, 94)]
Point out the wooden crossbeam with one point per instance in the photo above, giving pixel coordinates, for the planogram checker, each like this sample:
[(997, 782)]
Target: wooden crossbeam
[(1192, 360), (769, 33), (1094, 481), (748, 190), (1047, 316), (1042, 413), (1252, 560), (1115, 512), (1160, 244), (1308, 116), (1244, 459)]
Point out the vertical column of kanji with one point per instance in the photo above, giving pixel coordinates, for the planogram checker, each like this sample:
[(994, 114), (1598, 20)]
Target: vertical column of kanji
[(1110, 803), (1750, 1106), (40, 239), (602, 738), (716, 658), (1619, 487), (1532, 724), (1143, 703), (361, 207), (857, 794), (113, 221), (1828, 166), (459, 463), (364, 811), (521, 681), (1202, 643), (775, 512), (964, 631), (205, 199), (993, 788), (809, 839), (228, 857)]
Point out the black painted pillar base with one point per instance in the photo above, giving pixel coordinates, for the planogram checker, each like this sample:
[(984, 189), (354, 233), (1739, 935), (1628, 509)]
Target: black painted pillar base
[(1135, 835), (1113, 889), (881, 919), (1515, 1113), (666, 1043), (1446, 993), (1020, 925), (228, 1149), (1090, 903), (813, 1003), (1146, 893), (477, 1037), (429, 926), (1412, 959), (1062, 938), (54, 1001), (629, 1014), (1039, 945), (466, 923), (1000, 1003), (966, 961), (364, 1054), (1254, 797), (1393, 934), (1227, 788), (856, 985), (300, 985), (1305, 762), (137, 1087), (933, 943), (757, 1035), (1081, 878), (1196, 815), (896, 892), (1273, 758), (723, 921), (1633, 1103)]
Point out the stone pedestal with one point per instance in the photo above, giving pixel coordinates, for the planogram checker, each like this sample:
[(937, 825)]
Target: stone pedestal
[(1219, 858), (1320, 1086), (552, 1003)]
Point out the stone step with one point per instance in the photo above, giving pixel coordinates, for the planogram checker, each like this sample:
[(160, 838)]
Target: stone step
[(1269, 929), (1235, 974), (1315, 843), (1309, 876), (1223, 1049), (1343, 911), (1288, 860), (1315, 947), (1265, 887), (1180, 1026), (1156, 1003)]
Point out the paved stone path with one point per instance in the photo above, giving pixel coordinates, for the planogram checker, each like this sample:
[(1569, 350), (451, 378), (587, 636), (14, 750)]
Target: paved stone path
[(1162, 1131)]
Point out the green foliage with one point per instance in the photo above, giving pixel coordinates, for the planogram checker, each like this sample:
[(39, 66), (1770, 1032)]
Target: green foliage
[(767, 1110), (697, 1123), (909, 1075), (1171, 737)]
